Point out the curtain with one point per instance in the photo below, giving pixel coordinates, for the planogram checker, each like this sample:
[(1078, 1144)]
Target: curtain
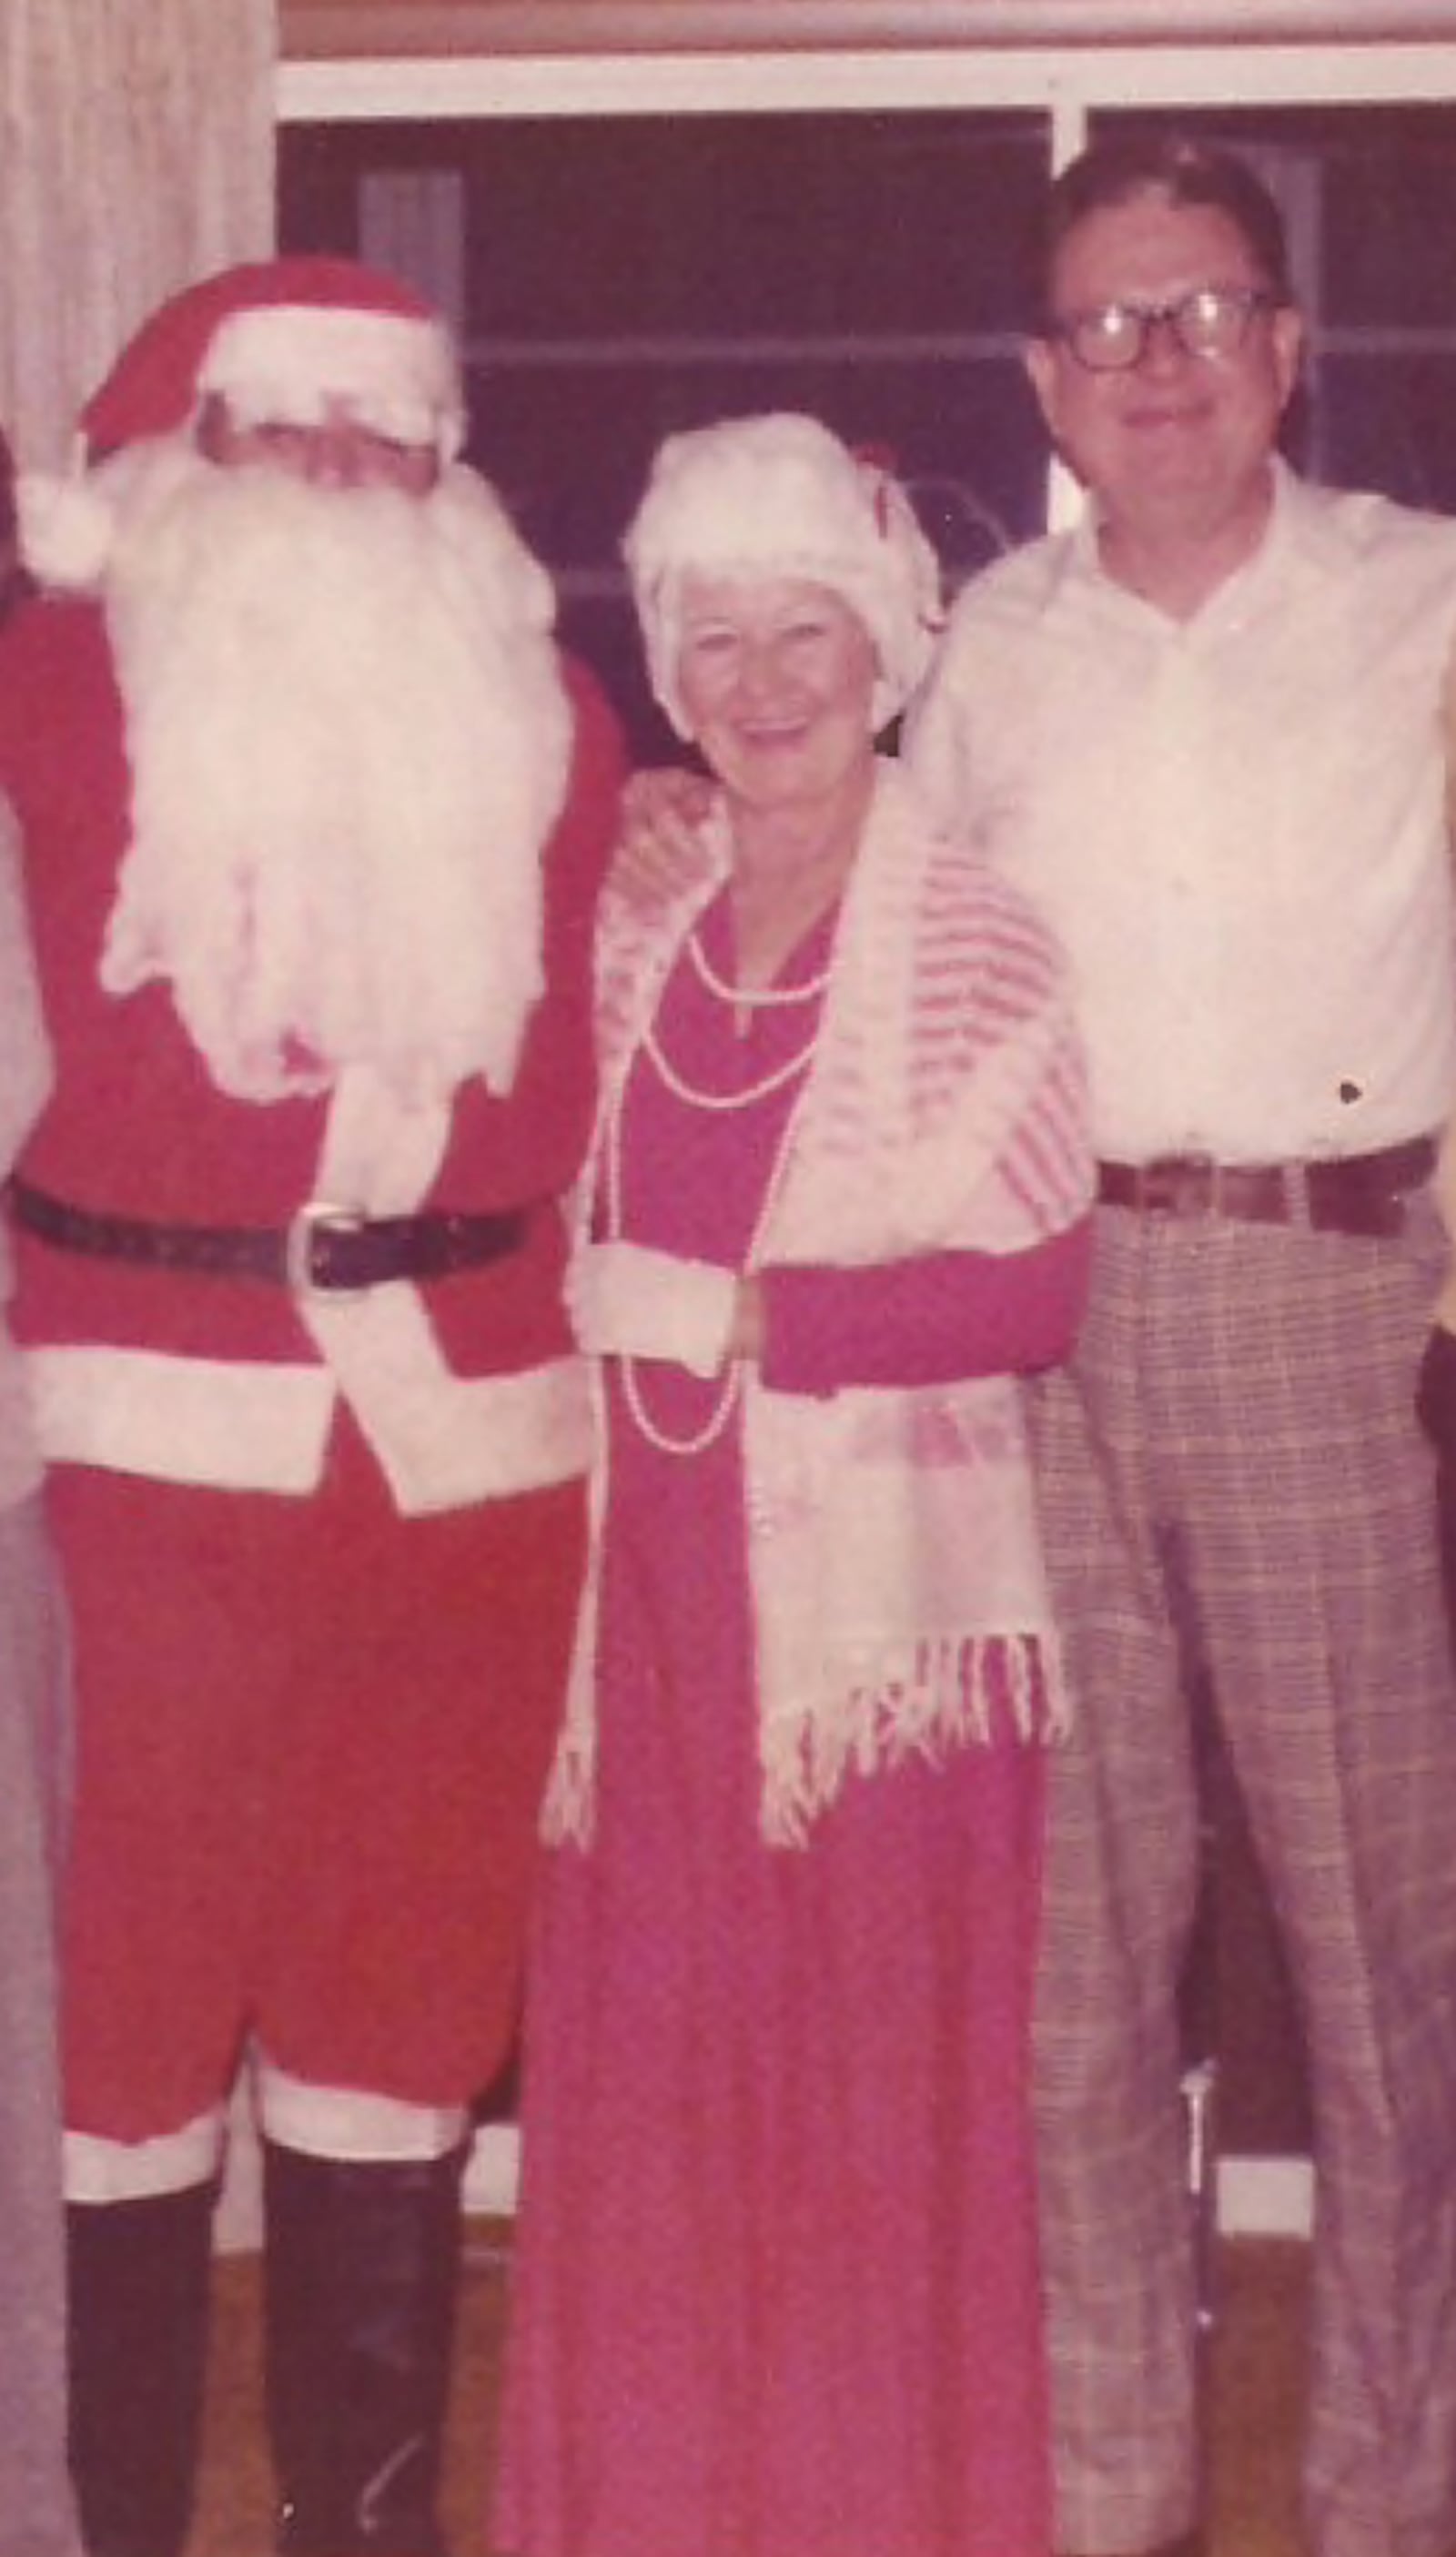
[(136, 154)]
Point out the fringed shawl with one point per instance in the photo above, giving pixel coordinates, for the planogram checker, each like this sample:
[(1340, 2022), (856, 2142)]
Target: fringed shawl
[(893, 1558)]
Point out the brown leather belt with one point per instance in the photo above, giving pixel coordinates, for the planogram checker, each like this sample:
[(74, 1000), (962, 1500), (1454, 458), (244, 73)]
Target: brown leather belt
[(1352, 1194), (330, 1249)]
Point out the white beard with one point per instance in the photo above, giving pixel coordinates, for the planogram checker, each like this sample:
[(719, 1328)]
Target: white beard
[(349, 741)]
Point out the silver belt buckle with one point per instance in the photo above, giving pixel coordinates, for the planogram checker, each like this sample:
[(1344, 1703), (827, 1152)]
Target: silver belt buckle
[(317, 1216)]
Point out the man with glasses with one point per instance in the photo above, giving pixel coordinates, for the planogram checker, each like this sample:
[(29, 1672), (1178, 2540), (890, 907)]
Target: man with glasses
[(1203, 729)]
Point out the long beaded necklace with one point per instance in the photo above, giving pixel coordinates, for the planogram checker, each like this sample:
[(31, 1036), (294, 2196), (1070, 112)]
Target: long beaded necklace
[(731, 1387), (750, 998), (741, 1000), (744, 1096)]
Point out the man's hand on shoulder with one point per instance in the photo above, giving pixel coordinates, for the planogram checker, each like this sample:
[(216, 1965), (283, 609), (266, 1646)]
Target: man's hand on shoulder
[(659, 847)]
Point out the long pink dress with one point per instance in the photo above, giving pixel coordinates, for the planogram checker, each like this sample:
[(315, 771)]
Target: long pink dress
[(776, 2279)]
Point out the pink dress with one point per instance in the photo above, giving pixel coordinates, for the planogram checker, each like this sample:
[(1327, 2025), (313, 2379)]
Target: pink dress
[(777, 2273)]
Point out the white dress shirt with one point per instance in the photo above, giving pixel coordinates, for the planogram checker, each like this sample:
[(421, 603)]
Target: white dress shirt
[(1236, 823)]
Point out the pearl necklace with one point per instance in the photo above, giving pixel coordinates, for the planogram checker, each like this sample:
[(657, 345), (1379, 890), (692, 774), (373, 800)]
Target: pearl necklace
[(696, 1440), (731, 1389), (698, 1098), (750, 998)]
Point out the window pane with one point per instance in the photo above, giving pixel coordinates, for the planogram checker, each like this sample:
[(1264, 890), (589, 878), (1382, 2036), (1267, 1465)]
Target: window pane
[(620, 279)]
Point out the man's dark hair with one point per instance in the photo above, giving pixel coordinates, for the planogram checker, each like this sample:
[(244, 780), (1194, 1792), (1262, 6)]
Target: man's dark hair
[(14, 581), (1183, 171)]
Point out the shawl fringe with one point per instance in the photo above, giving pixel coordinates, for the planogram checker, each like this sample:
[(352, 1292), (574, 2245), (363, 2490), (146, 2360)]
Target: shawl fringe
[(935, 1697), (569, 1812)]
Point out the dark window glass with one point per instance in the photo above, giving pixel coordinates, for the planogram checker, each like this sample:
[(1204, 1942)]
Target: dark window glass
[(1369, 195), (626, 277), (1389, 426)]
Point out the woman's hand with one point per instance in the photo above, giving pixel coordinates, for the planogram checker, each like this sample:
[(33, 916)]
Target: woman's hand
[(746, 1334), (660, 846)]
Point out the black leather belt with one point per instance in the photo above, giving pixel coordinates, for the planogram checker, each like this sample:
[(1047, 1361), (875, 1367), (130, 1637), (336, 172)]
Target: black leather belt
[(1351, 1194), (330, 1249)]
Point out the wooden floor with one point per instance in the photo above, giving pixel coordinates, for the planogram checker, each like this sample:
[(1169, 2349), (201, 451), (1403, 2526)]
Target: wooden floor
[(1256, 2398), (1253, 2393)]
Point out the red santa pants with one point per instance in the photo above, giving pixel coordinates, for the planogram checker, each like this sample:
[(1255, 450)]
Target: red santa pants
[(313, 1741)]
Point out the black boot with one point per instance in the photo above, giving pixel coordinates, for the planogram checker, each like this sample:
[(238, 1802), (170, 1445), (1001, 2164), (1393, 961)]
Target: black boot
[(362, 2265), (138, 2278)]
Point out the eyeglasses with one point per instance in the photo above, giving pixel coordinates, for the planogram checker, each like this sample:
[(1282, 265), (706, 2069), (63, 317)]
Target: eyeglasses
[(1212, 319)]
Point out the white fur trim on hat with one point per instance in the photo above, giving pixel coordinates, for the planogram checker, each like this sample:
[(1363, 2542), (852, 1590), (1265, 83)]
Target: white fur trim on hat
[(779, 495), (283, 363), (68, 524)]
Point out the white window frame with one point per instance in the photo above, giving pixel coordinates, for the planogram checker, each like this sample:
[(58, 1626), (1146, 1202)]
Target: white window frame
[(1067, 82)]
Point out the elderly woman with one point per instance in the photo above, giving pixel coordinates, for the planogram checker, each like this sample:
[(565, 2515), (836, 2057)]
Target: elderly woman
[(777, 2283)]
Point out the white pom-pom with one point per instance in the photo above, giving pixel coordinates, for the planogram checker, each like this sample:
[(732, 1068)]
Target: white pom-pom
[(66, 529)]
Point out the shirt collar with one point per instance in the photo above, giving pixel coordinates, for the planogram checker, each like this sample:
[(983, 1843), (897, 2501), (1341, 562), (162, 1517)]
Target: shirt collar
[(1297, 532)]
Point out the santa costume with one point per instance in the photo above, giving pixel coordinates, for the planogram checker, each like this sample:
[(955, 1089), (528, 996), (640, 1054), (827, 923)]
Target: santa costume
[(314, 820)]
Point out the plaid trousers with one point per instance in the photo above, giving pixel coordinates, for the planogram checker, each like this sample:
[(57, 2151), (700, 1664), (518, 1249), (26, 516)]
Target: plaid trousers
[(1232, 1482)]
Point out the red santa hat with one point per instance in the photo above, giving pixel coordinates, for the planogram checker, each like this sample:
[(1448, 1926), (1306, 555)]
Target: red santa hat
[(279, 339), (779, 495)]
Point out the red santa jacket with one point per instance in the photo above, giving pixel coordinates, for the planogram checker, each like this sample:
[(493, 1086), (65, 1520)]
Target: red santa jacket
[(466, 1386)]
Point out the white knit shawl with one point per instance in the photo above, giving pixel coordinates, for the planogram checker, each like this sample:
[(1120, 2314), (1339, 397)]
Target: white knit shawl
[(893, 1555)]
